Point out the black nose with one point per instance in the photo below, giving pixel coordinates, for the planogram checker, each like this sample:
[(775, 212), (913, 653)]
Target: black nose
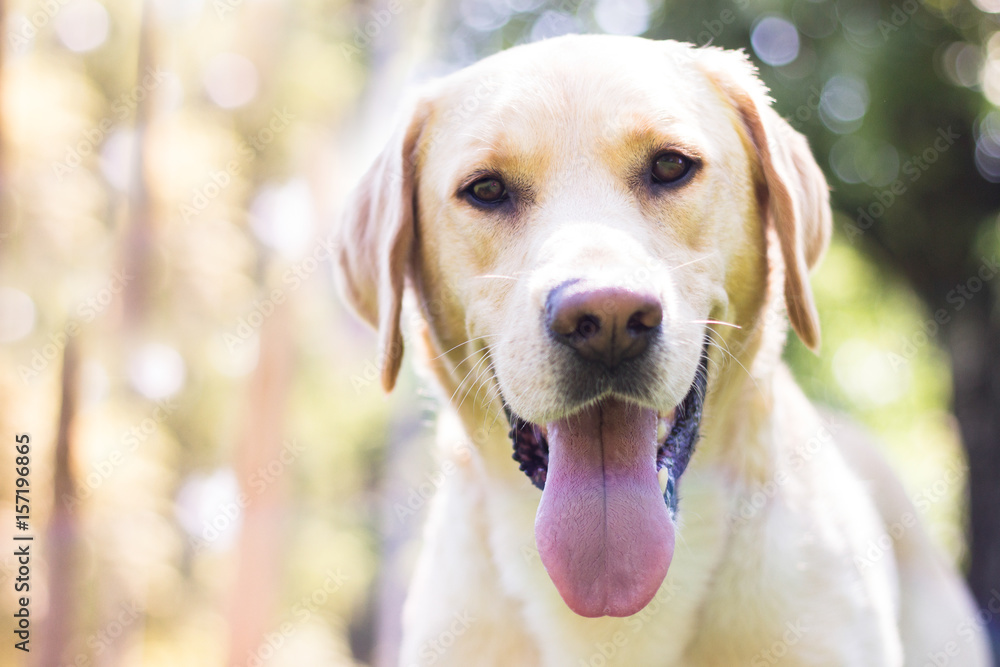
[(604, 324)]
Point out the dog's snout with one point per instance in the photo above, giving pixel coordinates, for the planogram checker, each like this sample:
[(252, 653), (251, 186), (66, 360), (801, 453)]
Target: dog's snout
[(605, 324)]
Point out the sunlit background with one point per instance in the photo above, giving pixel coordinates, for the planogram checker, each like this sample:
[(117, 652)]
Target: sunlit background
[(216, 476)]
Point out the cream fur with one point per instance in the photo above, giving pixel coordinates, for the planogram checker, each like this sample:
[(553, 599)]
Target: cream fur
[(750, 584)]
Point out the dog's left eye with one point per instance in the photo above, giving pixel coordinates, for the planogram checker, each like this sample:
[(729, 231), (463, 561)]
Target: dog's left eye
[(489, 190), (670, 167)]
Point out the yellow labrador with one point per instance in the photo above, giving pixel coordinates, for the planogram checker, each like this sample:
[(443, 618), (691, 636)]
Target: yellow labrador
[(601, 234)]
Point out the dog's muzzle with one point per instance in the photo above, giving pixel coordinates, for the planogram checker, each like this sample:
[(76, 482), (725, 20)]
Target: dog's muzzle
[(531, 449)]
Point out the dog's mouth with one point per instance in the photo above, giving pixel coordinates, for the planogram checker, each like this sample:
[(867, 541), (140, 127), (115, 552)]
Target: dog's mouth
[(605, 532), (676, 436)]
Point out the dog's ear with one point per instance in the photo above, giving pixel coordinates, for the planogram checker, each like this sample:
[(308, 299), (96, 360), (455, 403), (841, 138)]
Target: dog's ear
[(376, 240), (797, 195)]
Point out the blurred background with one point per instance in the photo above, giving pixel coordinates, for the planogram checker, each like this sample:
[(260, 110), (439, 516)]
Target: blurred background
[(216, 475)]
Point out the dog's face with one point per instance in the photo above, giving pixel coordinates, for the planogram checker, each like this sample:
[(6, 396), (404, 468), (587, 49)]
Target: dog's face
[(584, 213)]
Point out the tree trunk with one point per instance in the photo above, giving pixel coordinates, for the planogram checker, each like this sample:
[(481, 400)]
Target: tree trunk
[(974, 344), (61, 535), (138, 257), (265, 515)]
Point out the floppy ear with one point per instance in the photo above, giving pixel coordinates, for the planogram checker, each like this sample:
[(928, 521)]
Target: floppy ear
[(798, 198), (376, 241)]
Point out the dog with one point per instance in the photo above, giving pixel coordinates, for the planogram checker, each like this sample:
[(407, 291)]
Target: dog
[(602, 237)]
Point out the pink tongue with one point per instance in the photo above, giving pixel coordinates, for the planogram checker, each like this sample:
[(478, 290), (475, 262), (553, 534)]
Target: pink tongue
[(603, 530)]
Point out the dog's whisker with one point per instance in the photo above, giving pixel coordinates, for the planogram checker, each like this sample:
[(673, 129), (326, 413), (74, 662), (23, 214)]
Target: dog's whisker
[(693, 261), (473, 383), (499, 413), (463, 361), (733, 357), (498, 277), (490, 373), (721, 339), (492, 395), (488, 397), (469, 356), (476, 381), (724, 351), (460, 384), (487, 369), (494, 422), (488, 145), (728, 324), (471, 340)]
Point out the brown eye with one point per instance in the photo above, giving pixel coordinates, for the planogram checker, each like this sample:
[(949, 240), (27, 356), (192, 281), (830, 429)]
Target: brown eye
[(488, 190), (670, 167)]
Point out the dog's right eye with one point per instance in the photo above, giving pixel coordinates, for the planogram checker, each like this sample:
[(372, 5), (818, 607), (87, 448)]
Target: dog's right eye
[(487, 191), (670, 167)]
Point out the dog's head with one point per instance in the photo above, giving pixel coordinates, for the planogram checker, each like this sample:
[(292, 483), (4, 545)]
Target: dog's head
[(586, 216)]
